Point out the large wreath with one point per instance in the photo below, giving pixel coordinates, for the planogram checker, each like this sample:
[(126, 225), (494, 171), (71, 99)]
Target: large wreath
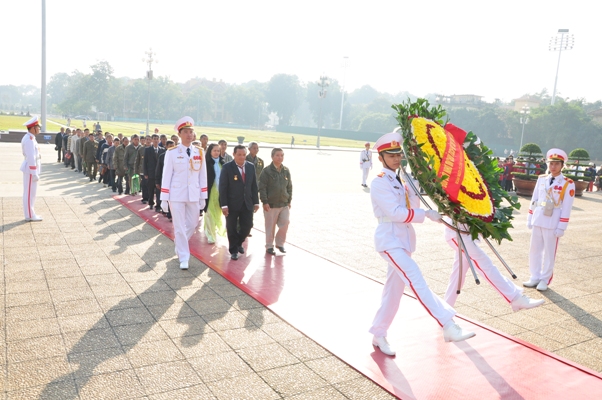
[(456, 171)]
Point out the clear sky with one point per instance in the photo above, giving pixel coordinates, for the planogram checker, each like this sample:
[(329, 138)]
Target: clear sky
[(494, 49)]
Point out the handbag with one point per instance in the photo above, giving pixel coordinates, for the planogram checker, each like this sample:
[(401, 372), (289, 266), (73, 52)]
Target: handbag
[(68, 156)]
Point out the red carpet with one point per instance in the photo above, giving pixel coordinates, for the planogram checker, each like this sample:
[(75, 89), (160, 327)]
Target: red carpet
[(334, 306)]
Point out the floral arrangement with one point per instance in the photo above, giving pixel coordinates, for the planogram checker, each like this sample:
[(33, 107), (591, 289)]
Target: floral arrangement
[(455, 170)]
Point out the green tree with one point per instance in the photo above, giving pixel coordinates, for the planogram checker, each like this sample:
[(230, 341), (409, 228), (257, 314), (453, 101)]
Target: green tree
[(331, 104), (364, 95), (378, 122), (245, 105), (284, 96)]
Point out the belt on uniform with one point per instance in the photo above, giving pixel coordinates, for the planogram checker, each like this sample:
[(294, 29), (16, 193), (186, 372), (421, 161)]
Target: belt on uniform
[(382, 220)]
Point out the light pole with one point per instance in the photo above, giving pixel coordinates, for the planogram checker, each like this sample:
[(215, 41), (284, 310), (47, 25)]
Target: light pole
[(149, 75), (43, 94), (345, 59), (562, 41), (524, 120), (321, 94)]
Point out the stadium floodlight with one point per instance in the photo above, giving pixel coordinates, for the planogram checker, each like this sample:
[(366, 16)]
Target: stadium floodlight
[(562, 41)]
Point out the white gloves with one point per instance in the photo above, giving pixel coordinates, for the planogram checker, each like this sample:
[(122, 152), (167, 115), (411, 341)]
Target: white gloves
[(35, 178), (529, 225), (202, 203), (433, 215), (559, 233)]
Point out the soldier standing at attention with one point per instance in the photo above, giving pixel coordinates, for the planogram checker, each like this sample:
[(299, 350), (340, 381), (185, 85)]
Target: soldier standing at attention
[(396, 208), (90, 148), (365, 163), (30, 168), (253, 159), (548, 217), (184, 187)]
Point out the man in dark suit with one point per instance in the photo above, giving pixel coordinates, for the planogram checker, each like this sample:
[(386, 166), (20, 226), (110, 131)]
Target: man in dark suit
[(238, 198), (149, 168), (58, 141)]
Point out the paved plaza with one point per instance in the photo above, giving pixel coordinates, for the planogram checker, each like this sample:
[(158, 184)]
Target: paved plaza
[(94, 304)]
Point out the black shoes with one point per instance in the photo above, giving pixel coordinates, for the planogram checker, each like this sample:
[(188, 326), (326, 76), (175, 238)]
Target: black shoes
[(144, 201), (281, 249), (234, 256), (241, 250), (270, 251)]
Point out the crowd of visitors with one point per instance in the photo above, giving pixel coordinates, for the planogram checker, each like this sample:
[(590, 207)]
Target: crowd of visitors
[(136, 165)]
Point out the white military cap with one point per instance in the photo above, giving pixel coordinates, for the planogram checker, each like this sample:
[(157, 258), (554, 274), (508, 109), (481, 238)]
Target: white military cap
[(32, 122), (389, 143), (556, 155), (184, 122)]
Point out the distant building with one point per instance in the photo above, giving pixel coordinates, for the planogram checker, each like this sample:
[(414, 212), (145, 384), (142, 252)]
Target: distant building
[(526, 100), (460, 100)]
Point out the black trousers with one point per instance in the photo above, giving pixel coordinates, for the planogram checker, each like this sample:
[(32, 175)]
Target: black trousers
[(144, 187), (153, 192), (238, 227)]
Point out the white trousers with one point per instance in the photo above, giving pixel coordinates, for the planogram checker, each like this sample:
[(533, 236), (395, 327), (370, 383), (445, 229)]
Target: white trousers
[(30, 189), (402, 270), (484, 266), (542, 254), (185, 217), (276, 216), (365, 171)]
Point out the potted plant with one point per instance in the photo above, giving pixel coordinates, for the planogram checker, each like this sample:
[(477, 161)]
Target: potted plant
[(529, 165), (575, 169), (240, 139)]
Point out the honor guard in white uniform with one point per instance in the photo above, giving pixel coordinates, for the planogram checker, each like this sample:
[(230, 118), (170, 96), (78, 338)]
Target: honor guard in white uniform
[(396, 209), (184, 186), (548, 217), (31, 168), (481, 261), (366, 163)]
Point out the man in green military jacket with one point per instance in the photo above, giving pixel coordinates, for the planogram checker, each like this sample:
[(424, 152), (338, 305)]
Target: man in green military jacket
[(256, 161), (276, 194), (90, 148)]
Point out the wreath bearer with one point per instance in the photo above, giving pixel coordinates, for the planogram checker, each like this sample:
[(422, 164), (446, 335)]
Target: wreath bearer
[(396, 209), (548, 218)]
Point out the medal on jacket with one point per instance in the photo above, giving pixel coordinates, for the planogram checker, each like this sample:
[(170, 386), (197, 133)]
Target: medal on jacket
[(195, 162), (235, 177)]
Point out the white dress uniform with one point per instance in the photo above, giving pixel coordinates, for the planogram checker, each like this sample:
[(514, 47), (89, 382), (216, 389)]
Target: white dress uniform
[(482, 264), (396, 208), (184, 186), (365, 164), (31, 169), (547, 229)]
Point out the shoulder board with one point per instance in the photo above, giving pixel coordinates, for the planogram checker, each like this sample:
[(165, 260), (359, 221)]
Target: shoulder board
[(381, 175), (569, 180), (198, 147), (173, 148)]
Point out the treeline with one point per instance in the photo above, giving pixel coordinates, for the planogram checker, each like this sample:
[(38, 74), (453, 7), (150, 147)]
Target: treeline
[(252, 103), (99, 94), (567, 125)]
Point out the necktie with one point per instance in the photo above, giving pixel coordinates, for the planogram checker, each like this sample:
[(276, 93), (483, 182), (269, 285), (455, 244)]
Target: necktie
[(242, 170), (398, 178), (188, 151), (551, 181)]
